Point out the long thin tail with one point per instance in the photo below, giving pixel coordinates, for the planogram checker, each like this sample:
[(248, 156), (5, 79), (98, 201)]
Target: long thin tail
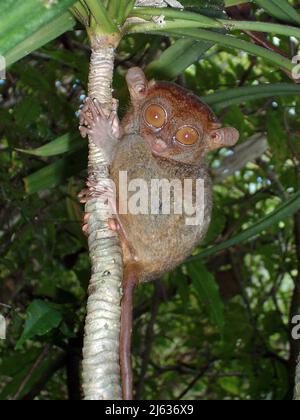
[(129, 283)]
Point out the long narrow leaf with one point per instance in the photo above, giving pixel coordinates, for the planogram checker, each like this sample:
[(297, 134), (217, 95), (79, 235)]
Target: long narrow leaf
[(63, 144), (284, 211), (179, 19), (235, 43), (207, 292), (237, 96), (46, 34), (281, 9), (26, 18), (175, 59), (56, 173)]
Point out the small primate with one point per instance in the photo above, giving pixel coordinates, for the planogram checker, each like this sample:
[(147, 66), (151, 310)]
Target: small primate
[(165, 135)]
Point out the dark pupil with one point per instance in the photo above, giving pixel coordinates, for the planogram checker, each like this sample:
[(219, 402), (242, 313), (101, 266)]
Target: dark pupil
[(156, 115)]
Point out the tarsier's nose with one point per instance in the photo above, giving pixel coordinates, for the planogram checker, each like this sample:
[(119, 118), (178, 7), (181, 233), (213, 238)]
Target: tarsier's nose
[(158, 145)]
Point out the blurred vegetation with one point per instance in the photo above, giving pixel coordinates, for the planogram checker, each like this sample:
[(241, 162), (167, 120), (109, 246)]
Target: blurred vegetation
[(219, 326)]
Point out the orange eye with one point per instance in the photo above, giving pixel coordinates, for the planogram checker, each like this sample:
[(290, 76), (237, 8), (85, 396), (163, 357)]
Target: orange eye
[(187, 136), (155, 116)]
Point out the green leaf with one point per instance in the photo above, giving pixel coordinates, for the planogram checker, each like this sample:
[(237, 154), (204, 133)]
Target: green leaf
[(233, 43), (56, 173), (231, 385), (175, 59), (208, 292), (11, 365), (283, 211), (63, 144), (119, 10), (101, 16), (175, 19), (27, 374), (189, 26), (229, 3), (276, 135), (281, 9), (42, 317), (27, 111), (27, 25), (226, 98), (31, 43), (211, 6)]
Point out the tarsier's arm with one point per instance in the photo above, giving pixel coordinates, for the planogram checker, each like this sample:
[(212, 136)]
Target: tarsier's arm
[(104, 131)]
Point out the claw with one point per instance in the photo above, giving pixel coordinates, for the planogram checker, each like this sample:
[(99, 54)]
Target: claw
[(86, 217), (112, 224), (85, 229), (84, 131)]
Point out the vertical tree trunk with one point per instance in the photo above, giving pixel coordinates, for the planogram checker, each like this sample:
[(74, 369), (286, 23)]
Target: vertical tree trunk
[(101, 371)]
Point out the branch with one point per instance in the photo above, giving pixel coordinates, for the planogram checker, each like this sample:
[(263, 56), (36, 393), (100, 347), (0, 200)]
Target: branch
[(249, 151), (196, 379), (31, 372)]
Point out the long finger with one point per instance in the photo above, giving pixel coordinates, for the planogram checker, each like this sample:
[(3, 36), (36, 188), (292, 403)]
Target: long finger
[(99, 108), (92, 108)]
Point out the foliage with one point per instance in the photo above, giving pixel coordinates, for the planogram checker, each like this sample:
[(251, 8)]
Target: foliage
[(218, 326)]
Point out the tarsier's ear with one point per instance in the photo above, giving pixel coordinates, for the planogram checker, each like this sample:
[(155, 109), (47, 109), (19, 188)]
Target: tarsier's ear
[(137, 83), (222, 137)]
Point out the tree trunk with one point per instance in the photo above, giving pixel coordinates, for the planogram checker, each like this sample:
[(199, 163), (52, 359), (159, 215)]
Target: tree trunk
[(101, 370)]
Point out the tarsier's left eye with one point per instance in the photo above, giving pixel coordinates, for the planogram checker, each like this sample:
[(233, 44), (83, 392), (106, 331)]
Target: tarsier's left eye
[(187, 135), (156, 116)]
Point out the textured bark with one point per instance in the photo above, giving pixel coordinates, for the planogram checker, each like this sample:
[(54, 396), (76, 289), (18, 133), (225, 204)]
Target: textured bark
[(101, 371)]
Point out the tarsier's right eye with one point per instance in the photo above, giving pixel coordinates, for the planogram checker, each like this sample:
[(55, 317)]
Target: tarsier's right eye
[(156, 116)]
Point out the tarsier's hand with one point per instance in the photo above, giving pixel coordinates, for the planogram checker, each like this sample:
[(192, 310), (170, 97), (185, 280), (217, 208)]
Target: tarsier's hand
[(102, 129)]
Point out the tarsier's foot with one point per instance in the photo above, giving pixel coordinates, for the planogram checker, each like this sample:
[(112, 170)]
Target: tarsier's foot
[(103, 129), (116, 226)]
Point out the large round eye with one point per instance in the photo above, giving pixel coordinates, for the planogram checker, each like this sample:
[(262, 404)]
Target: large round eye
[(187, 135), (155, 116)]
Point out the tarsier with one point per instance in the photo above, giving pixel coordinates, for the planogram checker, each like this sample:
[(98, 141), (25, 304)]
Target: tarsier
[(165, 135)]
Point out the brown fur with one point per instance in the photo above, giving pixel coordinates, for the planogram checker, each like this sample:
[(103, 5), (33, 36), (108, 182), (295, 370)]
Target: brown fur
[(161, 241)]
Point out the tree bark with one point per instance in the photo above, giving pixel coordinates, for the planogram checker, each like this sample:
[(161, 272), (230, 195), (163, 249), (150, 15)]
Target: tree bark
[(101, 370)]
